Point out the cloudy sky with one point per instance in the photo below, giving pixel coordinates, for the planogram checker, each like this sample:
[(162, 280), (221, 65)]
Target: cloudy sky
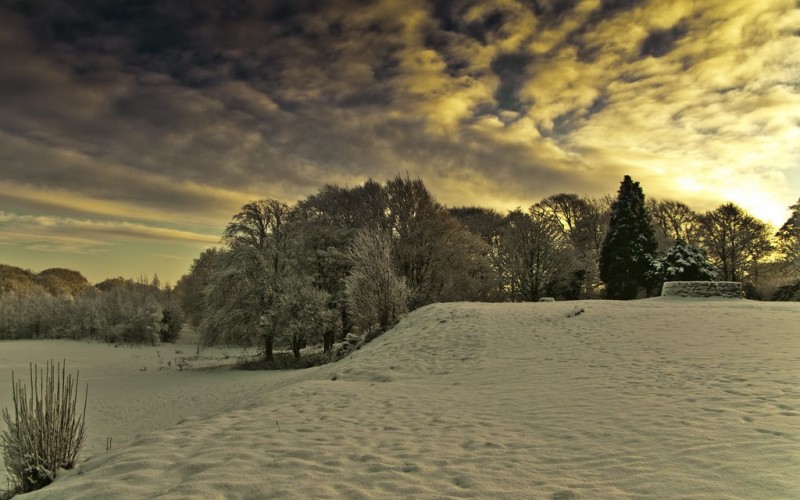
[(131, 130)]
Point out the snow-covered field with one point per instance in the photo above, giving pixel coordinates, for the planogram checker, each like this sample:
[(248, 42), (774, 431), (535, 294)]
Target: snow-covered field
[(653, 398)]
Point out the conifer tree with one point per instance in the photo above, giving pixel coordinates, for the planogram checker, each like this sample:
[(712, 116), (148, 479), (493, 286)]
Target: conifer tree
[(629, 245), (683, 262)]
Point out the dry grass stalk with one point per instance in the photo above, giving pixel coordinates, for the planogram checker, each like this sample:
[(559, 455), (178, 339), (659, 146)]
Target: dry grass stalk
[(46, 432)]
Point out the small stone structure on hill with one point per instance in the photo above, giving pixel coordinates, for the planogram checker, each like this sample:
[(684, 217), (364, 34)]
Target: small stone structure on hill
[(727, 289)]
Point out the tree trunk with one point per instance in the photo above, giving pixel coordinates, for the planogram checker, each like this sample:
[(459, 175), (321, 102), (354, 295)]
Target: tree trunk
[(327, 340), (268, 347), (346, 324)]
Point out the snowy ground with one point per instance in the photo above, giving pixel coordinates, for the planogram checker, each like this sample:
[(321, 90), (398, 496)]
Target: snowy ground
[(653, 398)]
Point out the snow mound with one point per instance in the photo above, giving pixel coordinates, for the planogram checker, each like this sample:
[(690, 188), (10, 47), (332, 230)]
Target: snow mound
[(652, 398)]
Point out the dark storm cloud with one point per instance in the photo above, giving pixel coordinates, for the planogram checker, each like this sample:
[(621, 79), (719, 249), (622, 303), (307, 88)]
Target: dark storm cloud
[(611, 6), (443, 42), (552, 8), (446, 14), (128, 30), (160, 105), (661, 42), (511, 69)]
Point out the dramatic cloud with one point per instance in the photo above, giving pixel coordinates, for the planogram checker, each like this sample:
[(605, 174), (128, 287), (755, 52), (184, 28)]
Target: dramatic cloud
[(154, 121), (83, 235)]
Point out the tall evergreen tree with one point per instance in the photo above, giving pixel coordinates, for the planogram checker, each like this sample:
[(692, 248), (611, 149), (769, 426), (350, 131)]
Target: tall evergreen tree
[(629, 245)]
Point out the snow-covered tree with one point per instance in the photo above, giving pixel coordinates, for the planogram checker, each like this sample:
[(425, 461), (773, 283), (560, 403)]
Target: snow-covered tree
[(191, 286), (245, 283), (683, 262), (439, 258), (239, 291), (376, 294), (300, 314)]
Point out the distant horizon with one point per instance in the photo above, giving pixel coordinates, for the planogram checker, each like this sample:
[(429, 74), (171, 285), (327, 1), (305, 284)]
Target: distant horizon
[(148, 278), (130, 136), (169, 277)]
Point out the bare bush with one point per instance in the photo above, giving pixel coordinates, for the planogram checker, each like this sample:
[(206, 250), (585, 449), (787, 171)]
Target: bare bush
[(46, 433)]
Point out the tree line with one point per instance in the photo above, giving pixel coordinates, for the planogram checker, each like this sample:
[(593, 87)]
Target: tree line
[(354, 259), (60, 303)]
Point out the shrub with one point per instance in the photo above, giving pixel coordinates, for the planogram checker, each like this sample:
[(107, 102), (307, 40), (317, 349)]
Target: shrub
[(284, 361), (681, 262), (46, 432), (788, 293)]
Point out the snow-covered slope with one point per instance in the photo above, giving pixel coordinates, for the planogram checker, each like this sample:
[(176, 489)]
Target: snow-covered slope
[(592, 399)]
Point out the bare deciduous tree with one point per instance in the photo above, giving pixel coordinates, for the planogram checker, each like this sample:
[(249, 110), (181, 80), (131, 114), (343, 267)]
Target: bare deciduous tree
[(567, 208), (673, 221), (431, 248), (788, 242), (535, 253), (735, 241)]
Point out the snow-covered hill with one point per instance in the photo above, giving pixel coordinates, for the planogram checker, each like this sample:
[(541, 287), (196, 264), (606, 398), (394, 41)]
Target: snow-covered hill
[(590, 399)]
